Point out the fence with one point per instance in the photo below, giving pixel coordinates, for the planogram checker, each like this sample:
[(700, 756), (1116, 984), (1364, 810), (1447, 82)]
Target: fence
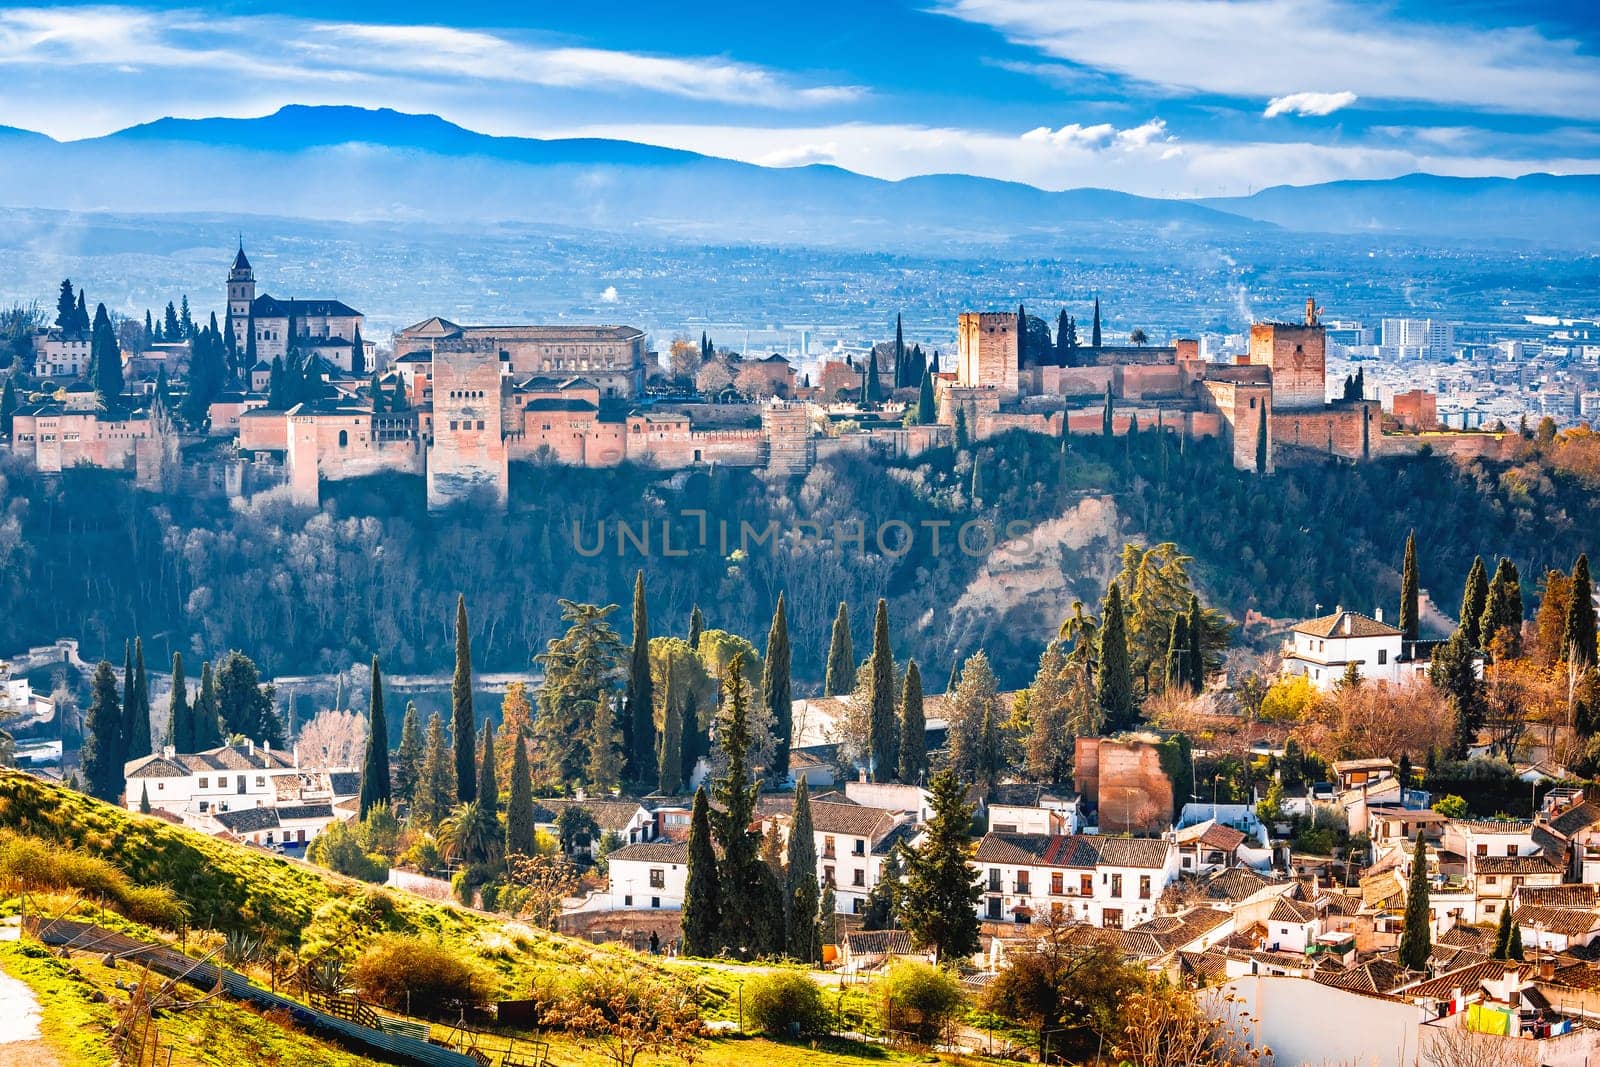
[(372, 1031)]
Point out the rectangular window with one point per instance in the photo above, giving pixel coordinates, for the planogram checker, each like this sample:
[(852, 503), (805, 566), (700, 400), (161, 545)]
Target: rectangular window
[(1057, 880), (1383, 656), (860, 848), (1483, 850), (1144, 887), (658, 878), (827, 876), (828, 848), (1022, 882), (205, 783), (1086, 885), (1111, 918), (1116, 885), (994, 879), (858, 877)]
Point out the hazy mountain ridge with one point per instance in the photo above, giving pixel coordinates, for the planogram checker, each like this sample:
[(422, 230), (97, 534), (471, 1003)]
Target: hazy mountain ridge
[(360, 164)]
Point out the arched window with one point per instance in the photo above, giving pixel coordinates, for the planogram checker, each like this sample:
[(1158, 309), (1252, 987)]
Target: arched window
[(344, 438)]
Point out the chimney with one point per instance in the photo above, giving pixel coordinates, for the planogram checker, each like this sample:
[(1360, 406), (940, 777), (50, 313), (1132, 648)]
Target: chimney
[(1377, 613), (1347, 626), (266, 746), (250, 746), (168, 751), (1547, 967)]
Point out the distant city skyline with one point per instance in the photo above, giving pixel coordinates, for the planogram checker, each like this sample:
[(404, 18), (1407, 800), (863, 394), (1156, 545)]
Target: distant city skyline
[(1173, 98)]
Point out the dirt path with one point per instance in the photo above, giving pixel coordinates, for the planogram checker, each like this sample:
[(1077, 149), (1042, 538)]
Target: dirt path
[(20, 1044)]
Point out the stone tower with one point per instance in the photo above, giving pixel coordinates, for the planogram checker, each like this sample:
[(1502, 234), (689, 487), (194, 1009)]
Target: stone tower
[(241, 294), (468, 455), (1297, 355), (986, 351)]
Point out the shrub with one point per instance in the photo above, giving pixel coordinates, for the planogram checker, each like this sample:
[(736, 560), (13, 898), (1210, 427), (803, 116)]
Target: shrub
[(29, 863), (1287, 699), (155, 905), (785, 1004), (1451, 806), (919, 997), (406, 973), (338, 848)]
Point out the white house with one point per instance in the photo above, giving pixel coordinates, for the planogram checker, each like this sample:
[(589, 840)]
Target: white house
[(852, 842), (1023, 808), (210, 790), (651, 874), (1114, 882), (1321, 649)]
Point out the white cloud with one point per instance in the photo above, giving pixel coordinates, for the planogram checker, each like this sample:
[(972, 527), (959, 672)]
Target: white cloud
[(297, 50), (1306, 104), (609, 296), (801, 155), (1265, 48), (1101, 136)]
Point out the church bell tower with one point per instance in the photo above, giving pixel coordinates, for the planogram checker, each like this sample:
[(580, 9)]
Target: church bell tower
[(241, 294)]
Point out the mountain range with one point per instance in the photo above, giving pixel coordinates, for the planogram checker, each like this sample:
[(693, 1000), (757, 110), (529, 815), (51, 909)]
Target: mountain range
[(359, 164)]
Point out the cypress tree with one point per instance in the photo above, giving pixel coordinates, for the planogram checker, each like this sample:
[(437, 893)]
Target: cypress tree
[(1514, 943), (776, 691), (693, 736), (144, 798), (800, 881), (697, 626), (1578, 635), (702, 895), (375, 787), (1502, 610), (358, 355), (1454, 674), (1261, 440), (638, 724), (488, 776), (871, 391), (899, 354), (669, 772), (1502, 939), (1107, 416), (103, 755), (927, 413), (105, 358), (1114, 687), (436, 787), (130, 706), (1177, 675), (80, 314), (960, 435), (205, 718), (1061, 338), (605, 764), (180, 720), (1409, 624), (840, 678), (1095, 334), (67, 306), (138, 742), (883, 734), (8, 408), (913, 728), (1473, 600), (408, 760), (1416, 937), (463, 723), (520, 833), (827, 917), (755, 926), (1194, 631)]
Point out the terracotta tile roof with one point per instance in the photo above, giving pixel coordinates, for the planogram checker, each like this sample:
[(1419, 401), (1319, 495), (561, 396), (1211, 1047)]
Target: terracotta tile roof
[(1466, 979), (1133, 851), (1462, 936), (155, 767), (1221, 837), (1235, 884), (653, 852), (1334, 626), (1285, 910), (1568, 922), (852, 819), (1211, 966), (1011, 848), (615, 815), (1576, 818), (1374, 976), (248, 820), (878, 943), (1517, 865), (1582, 895)]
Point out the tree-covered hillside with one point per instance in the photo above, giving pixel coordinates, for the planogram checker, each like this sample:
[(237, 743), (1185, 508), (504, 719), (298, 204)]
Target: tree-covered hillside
[(87, 555)]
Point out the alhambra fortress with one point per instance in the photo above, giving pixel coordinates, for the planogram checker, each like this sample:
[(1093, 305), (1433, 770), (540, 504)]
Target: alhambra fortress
[(458, 404)]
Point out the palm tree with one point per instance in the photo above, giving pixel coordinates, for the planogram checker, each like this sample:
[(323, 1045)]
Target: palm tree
[(471, 834), (1139, 337)]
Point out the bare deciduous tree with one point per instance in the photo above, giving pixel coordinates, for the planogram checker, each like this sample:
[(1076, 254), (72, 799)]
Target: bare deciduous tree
[(332, 739)]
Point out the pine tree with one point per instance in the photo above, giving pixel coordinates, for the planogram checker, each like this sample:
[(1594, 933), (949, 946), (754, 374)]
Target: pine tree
[(939, 901), (1114, 679), (776, 692), (180, 719), (604, 768), (755, 927), (408, 759), (521, 837), (1108, 425), (913, 728), (638, 723), (840, 678), (883, 730), (464, 724), (1416, 937), (488, 774), (66, 307), (245, 705), (375, 788), (103, 756), (436, 787), (1473, 600), (205, 718), (171, 328), (702, 895), (1095, 333), (800, 881), (1409, 623), (1578, 635), (927, 413), (882, 908), (1454, 673)]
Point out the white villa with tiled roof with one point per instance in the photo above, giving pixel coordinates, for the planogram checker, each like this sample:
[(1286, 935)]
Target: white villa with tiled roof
[(1321, 649), (252, 792), (1114, 882)]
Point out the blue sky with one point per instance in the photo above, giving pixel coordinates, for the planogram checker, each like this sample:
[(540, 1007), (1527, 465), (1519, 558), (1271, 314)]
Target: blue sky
[(1164, 97)]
